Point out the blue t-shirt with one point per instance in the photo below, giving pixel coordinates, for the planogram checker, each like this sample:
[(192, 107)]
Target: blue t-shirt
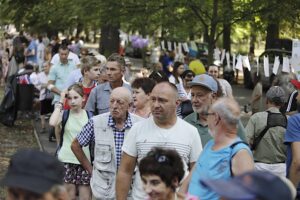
[(32, 47), (292, 134), (213, 165)]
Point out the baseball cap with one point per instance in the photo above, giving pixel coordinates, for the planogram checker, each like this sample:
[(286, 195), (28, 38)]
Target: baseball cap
[(296, 83), (276, 94), (253, 185), (34, 171), (205, 81)]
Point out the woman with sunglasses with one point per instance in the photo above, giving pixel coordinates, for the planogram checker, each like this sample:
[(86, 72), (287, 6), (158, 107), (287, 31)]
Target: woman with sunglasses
[(161, 172)]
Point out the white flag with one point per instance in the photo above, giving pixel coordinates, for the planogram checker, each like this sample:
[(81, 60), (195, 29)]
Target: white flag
[(286, 65), (169, 46), (239, 63), (246, 62), (257, 65), (266, 66), (222, 55), (179, 48), (228, 60), (233, 61), (185, 47), (162, 43), (276, 65)]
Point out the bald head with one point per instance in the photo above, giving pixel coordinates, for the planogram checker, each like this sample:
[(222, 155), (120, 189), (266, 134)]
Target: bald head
[(166, 87), (122, 93), (228, 109)]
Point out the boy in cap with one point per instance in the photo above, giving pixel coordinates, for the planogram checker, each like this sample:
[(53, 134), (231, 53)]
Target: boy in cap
[(34, 175)]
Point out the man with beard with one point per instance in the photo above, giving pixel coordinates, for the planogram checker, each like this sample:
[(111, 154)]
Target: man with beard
[(163, 129), (108, 131), (224, 156), (292, 140), (204, 94)]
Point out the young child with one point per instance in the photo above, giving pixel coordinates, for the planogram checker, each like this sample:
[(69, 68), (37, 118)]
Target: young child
[(76, 177), (45, 95), (90, 70)]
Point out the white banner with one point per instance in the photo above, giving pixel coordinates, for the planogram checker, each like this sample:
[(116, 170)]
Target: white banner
[(276, 65), (222, 55), (228, 60), (286, 64), (162, 43), (179, 48), (233, 60), (266, 66), (185, 47), (257, 65), (169, 46), (239, 63), (246, 62)]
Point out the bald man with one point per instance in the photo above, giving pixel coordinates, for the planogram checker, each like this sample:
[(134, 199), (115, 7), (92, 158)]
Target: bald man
[(108, 131), (163, 129)]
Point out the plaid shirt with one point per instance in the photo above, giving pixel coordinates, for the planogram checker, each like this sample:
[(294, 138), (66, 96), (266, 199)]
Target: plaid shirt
[(87, 135)]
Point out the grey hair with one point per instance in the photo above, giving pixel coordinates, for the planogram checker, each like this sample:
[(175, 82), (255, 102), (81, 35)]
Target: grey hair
[(228, 109)]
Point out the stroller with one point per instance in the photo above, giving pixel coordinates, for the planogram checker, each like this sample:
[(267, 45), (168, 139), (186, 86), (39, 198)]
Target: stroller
[(16, 97)]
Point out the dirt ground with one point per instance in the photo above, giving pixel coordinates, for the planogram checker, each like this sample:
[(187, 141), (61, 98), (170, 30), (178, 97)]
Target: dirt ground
[(14, 138)]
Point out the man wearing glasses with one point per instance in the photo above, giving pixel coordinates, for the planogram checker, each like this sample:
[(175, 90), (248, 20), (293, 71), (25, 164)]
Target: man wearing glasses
[(204, 93), (223, 157)]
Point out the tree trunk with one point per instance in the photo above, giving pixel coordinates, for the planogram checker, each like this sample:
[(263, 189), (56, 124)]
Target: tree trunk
[(227, 17), (110, 40), (252, 41), (226, 37), (79, 29), (272, 33)]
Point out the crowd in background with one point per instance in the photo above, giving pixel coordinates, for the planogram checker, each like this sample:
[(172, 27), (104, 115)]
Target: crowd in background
[(168, 132)]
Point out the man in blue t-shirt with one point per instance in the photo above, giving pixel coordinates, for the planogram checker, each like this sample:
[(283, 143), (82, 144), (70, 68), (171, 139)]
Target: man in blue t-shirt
[(292, 140)]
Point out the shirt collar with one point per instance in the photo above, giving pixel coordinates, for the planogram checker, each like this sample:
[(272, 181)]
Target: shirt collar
[(127, 124)]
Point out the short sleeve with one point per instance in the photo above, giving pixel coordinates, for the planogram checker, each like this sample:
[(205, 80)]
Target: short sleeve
[(196, 146), (52, 74), (293, 129), (129, 145), (87, 134), (91, 101), (250, 130)]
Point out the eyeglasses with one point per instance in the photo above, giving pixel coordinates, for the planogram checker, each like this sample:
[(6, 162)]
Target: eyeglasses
[(189, 76)]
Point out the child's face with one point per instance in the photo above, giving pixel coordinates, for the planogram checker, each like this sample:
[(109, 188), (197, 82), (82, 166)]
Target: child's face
[(94, 73), (74, 99), (155, 188)]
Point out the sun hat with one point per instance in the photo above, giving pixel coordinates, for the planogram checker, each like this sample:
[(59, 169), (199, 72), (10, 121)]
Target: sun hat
[(32, 170)]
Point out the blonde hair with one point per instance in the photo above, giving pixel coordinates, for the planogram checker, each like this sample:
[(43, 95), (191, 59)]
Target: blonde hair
[(88, 62)]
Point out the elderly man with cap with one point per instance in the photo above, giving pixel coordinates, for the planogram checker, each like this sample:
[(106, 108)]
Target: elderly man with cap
[(225, 156), (40, 178), (265, 133), (204, 89)]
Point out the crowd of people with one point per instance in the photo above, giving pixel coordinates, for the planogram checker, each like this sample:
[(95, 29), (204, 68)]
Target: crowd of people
[(171, 133)]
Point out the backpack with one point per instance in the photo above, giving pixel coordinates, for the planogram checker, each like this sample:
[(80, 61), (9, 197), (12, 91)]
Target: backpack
[(65, 118), (273, 120)]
